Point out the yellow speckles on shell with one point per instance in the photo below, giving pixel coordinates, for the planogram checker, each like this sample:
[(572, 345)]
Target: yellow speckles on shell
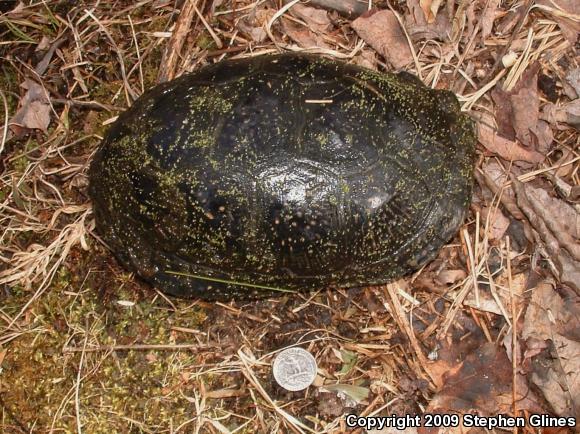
[(235, 173)]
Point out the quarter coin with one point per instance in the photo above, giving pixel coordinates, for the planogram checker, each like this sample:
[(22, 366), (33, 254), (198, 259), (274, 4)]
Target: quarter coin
[(294, 369)]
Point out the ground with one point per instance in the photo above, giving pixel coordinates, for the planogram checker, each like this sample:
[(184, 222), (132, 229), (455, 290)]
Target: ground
[(86, 346)]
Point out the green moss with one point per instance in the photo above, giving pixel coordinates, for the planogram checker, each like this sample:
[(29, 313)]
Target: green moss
[(37, 376), (205, 41)]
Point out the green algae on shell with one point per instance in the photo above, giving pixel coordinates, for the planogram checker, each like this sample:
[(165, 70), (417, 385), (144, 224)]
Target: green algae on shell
[(285, 172)]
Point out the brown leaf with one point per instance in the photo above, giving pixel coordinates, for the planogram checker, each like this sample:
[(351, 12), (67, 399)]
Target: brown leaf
[(316, 19), (573, 80), (452, 352), (34, 111), (366, 59), (347, 8), (555, 367), (558, 210), (507, 149), (561, 249), (566, 113), (498, 222), (418, 27), (488, 17), (500, 302), (430, 8), (483, 384), (254, 24), (303, 36), (570, 27), (572, 110), (503, 113), (497, 174), (383, 32), (525, 103), (447, 277)]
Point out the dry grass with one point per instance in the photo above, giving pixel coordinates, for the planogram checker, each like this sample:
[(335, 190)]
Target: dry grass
[(85, 347)]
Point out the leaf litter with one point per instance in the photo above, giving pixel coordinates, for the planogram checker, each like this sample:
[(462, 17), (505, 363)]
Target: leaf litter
[(491, 325)]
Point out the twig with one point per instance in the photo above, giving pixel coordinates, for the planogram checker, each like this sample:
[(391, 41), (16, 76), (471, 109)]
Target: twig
[(295, 424), (78, 386), (514, 329), (140, 347), (507, 46), (401, 320), (217, 40), (88, 104), (6, 121), (484, 180), (129, 92), (175, 44)]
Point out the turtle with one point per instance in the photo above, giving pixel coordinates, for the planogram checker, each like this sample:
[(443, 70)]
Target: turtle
[(271, 174)]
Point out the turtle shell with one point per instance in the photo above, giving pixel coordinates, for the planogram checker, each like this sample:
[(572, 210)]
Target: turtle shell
[(280, 173)]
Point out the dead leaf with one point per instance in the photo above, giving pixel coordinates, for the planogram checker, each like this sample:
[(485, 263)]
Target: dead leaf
[(34, 111), (19, 11), (497, 174), (482, 384), (507, 149), (366, 59), (500, 301), (452, 351), (316, 19), (253, 25), (558, 210), (561, 248), (572, 110), (419, 28), (570, 27), (573, 80), (302, 35), (498, 222), (525, 103), (555, 365), (430, 8), (488, 17), (509, 20), (503, 113), (224, 393), (563, 164), (567, 113), (347, 8), (448, 277), (352, 395), (383, 32)]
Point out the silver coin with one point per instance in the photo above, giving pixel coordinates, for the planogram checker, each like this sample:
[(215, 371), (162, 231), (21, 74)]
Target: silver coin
[(294, 369)]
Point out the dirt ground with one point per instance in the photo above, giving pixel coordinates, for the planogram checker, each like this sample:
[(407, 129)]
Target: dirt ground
[(491, 326)]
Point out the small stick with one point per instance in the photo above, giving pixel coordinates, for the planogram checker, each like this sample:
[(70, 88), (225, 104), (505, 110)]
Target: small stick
[(78, 386), (88, 104), (514, 330), (139, 347), (217, 40), (506, 47), (173, 49), (404, 325), (509, 204)]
